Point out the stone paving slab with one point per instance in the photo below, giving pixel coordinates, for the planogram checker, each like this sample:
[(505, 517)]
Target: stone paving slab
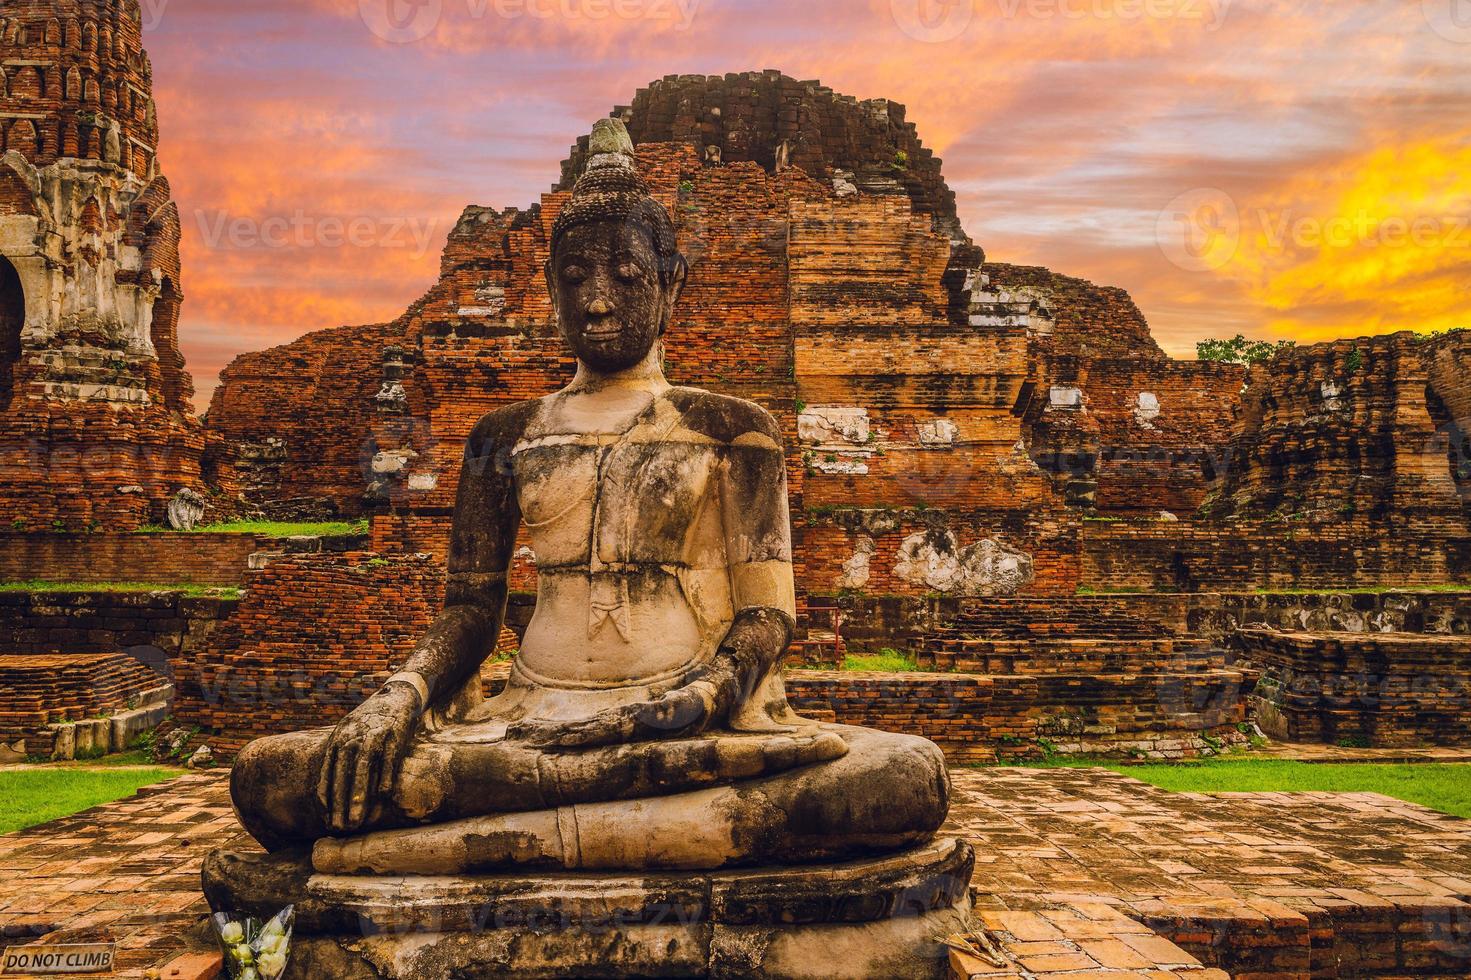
[(1081, 872), (1263, 884), (1306, 752)]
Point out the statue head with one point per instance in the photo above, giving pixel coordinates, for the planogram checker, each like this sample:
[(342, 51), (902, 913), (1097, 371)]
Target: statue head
[(615, 270)]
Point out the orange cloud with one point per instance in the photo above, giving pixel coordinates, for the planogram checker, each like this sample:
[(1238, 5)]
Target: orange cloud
[(1067, 127)]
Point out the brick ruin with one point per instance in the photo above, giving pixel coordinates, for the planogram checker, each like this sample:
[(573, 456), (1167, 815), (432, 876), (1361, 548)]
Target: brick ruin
[(973, 448), (1369, 428), (956, 428), (96, 427), (1086, 546), (955, 425), (830, 281), (1122, 428)]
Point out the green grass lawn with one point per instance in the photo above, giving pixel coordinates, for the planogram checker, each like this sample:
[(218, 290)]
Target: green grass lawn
[(889, 661), (35, 794), (222, 591), (1444, 787), (275, 529)]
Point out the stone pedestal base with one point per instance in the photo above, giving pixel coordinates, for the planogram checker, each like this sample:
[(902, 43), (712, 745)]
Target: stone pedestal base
[(877, 918)]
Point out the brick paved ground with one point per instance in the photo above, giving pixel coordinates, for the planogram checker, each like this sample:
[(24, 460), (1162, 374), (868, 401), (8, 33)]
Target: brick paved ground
[(130, 867), (1266, 884), (1307, 752), (1081, 873)]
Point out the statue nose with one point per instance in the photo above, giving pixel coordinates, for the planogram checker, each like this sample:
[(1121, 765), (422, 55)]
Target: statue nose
[(599, 307)]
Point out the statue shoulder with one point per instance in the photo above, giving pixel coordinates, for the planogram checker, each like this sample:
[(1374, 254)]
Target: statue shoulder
[(501, 428), (724, 418)]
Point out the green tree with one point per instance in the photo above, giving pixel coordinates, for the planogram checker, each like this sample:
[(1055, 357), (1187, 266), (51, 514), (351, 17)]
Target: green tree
[(1239, 350)]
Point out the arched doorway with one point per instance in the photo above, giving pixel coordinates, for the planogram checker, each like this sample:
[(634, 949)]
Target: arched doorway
[(12, 319)]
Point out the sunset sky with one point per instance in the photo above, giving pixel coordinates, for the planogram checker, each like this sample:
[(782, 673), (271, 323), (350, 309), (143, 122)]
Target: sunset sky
[(1279, 168)]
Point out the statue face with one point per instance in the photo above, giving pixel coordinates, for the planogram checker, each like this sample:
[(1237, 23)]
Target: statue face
[(611, 306)]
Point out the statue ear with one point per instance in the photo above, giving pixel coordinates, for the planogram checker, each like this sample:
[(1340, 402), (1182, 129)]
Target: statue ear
[(551, 284), (678, 275)]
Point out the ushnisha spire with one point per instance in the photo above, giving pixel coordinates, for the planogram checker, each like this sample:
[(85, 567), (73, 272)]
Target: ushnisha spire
[(610, 189), (610, 146)]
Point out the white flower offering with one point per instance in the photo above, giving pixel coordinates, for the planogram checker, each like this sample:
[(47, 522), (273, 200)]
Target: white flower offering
[(252, 951)]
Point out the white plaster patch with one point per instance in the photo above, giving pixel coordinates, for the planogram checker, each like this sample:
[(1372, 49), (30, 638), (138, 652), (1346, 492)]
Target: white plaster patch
[(840, 465), (938, 432), (1008, 308), (1065, 399), (1332, 395), (855, 572), (1146, 409), (392, 462), (824, 425), (935, 560), (423, 481), (491, 298)]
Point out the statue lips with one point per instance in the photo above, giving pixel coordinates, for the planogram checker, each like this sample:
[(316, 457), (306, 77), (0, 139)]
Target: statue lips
[(603, 332)]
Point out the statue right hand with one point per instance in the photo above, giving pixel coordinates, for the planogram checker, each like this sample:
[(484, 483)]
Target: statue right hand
[(364, 754)]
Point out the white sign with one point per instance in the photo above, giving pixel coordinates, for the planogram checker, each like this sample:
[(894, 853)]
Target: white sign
[(35, 960)]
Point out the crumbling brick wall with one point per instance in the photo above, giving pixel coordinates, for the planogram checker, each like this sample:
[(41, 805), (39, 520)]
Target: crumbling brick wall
[(1449, 402), (1384, 690), (313, 636), (1344, 430), (1244, 556), (1123, 428), (299, 421), (775, 121), (41, 623), (985, 717), (184, 558), (41, 690)]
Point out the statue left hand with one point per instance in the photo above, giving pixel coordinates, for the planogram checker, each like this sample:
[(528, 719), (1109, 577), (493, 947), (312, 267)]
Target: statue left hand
[(755, 642), (363, 757)]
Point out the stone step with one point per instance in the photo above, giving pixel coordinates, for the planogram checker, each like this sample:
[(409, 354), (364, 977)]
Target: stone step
[(1070, 656), (103, 736), (41, 692), (983, 717)]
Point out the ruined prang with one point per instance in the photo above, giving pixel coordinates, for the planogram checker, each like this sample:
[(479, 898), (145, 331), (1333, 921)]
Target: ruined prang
[(96, 427)]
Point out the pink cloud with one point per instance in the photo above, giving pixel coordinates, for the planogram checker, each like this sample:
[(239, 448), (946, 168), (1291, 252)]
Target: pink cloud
[(1067, 126)]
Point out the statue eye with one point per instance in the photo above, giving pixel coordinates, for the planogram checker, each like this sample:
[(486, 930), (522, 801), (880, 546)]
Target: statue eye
[(574, 273)]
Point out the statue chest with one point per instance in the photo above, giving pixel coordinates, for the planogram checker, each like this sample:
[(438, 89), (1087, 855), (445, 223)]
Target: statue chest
[(602, 502)]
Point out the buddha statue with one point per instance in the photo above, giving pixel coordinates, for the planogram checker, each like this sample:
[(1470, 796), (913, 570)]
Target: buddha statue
[(644, 726)]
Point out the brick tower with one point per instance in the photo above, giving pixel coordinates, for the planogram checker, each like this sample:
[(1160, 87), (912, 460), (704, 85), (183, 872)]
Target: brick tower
[(96, 427)]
